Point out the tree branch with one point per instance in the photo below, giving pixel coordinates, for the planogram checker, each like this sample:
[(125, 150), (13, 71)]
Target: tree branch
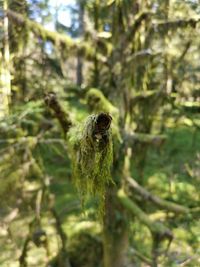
[(164, 204), (133, 29), (142, 55), (185, 50), (156, 228), (163, 26), (60, 40), (146, 95), (142, 257), (22, 258), (155, 140), (59, 229), (63, 117)]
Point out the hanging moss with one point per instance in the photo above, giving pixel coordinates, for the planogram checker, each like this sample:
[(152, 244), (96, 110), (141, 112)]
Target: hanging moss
[(92, 151)]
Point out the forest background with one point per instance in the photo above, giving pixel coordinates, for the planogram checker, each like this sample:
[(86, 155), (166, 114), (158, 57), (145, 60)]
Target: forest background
[(99, 133)]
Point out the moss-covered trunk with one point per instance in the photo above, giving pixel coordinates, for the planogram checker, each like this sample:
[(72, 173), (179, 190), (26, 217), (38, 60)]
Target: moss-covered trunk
[(115, 232), (5, 76)]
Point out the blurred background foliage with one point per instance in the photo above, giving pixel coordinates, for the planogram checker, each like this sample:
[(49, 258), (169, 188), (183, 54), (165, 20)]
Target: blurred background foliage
[(139, 61)]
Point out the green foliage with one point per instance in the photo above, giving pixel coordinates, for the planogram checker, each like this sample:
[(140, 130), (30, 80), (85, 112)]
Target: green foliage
[(18, 140)]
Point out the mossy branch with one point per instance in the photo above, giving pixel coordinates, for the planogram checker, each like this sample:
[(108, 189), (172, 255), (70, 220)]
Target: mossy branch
[(142, 55), (59, 40), (184, 52), (63, 117), (22, 258), (155, 140), (164, 204), (150, 94), (39, 30), (135, 26), (156, 228), (59, 229), (164, 26), (142, 257)]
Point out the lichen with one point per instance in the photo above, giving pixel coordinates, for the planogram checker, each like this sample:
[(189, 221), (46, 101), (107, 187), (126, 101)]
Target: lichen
[(92, 157)]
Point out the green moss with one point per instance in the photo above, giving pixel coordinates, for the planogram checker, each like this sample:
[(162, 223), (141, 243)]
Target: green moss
[(91, 160), (97, 102), (85, 249)]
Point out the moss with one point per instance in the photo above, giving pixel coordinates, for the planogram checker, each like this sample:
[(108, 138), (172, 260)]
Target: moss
[(92, 157), (64, 44), (85, 250), (97, 102)]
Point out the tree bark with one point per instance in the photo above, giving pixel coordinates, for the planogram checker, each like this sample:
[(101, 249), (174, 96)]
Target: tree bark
[(115, 232), (79, 70)]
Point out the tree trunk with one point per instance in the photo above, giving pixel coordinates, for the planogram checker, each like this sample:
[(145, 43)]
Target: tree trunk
[(79, 69), (5, 76), (115, 232)]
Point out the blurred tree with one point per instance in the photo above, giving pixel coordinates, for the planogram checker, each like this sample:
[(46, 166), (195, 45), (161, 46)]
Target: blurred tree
[(138, 62), (5, 76)]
